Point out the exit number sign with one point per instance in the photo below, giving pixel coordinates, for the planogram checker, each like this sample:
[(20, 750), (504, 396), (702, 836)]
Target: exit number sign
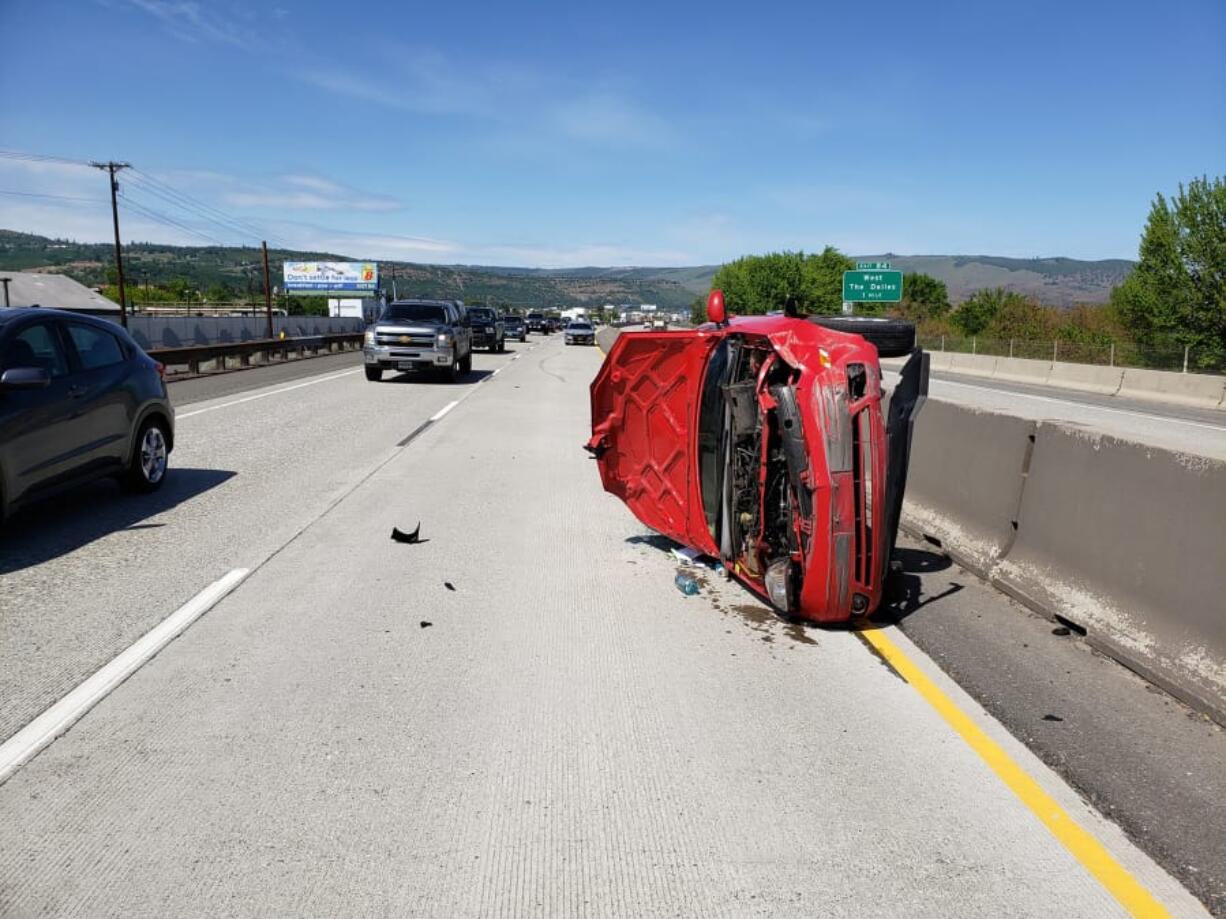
[(872, 286)]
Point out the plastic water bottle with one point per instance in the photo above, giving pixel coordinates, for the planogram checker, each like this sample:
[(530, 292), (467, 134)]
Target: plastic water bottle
[(686, 583)]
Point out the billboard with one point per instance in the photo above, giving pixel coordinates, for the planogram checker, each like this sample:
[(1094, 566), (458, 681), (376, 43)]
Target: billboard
[(331, 276)]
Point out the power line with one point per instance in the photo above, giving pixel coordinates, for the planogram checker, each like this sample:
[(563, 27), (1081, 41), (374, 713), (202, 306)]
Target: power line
[(165, 220), (200, 215), (31, 194), (189, 203), (40, 158)]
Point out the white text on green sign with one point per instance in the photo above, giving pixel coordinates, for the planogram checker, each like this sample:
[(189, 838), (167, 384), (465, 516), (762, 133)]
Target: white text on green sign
[(872, 286)]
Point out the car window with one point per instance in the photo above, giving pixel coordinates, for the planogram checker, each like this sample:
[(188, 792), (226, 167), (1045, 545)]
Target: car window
[(415, 312), (36, 346), (95, 347)]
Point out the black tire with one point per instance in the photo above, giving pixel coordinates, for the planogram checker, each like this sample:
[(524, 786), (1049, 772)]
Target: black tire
[(453, 372), (466, 365), (374, 374), (150, 462), (892, 337)]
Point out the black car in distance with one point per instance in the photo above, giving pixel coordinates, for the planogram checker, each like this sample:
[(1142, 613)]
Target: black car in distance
[(516, 328), (489, 329), (79, 400)]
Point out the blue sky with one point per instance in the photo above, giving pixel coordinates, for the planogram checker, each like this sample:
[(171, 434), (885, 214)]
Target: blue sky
[(558, 134)]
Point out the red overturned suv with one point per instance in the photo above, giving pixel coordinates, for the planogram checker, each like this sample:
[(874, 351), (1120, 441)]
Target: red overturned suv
[(761, 441)]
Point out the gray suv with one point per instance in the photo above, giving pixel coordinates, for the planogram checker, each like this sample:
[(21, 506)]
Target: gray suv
[(79, 400), (420, 335)]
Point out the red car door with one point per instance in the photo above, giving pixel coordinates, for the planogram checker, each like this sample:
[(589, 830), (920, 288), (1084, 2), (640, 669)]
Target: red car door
[(644, 409)]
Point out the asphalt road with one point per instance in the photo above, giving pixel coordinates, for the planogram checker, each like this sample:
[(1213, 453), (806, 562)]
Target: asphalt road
[(518, 716), (1169, 425)]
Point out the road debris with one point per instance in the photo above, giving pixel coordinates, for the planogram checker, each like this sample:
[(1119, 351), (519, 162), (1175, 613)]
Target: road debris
[(1061, 630), (686, 555), (425, 624), (686, 583), (399, 535), (448, 585)]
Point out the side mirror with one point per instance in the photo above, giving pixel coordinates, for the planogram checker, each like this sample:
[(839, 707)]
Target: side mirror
[(715, 307), (24, 378)]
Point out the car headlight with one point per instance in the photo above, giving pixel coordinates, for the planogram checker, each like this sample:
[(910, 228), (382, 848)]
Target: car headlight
[(369, 338), (779, 584), (444, 338)]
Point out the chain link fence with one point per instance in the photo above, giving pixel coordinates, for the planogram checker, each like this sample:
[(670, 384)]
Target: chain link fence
[(1180, 358)]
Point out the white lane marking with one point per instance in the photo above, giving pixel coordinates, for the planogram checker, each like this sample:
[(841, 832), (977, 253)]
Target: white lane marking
[(516, 357), (444, 410), (1085, 405), (264, 395), (496, 372), (26, 743)]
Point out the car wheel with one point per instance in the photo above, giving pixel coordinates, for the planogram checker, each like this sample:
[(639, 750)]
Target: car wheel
[(374, 374), (150, 458), (892, 337), (466, 365)]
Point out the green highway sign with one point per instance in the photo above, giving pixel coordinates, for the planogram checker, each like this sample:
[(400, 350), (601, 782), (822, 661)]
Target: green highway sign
[(872, 266), (872, 286)]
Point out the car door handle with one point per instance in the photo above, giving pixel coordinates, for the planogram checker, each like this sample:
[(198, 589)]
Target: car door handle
[(76, 392)]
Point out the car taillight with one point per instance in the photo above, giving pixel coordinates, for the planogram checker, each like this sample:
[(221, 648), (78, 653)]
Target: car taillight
[(161, 369)]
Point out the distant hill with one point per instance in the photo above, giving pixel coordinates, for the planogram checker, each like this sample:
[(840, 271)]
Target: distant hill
[(1056, 281)]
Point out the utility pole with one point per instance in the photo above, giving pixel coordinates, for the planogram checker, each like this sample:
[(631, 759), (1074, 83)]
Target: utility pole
[(5, 282), (111, 169), (267, 291)]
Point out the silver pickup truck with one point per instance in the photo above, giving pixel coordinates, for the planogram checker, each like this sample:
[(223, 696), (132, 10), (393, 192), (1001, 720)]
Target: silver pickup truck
[(420, 335)]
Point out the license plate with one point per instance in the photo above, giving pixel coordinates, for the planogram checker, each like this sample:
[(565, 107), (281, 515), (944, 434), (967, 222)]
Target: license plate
[(404, 365)]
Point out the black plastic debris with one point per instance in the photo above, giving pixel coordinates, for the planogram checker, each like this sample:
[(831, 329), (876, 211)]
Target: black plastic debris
[(399, 535), (1052, 718), (448, 585), (1061, 630), (425, 625)]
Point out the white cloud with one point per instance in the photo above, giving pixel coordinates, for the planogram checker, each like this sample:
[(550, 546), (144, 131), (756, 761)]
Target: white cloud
[(606, 118), (292, 191), (194, 22)]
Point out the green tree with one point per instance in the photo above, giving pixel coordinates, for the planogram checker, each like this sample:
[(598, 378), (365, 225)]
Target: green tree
[(924, 297), (1177, 292), (1022, 318), (757, 284), (978, 311)]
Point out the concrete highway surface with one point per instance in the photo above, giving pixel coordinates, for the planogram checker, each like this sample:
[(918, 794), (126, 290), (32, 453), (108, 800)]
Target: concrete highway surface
[(520, 715), (1172, 426)]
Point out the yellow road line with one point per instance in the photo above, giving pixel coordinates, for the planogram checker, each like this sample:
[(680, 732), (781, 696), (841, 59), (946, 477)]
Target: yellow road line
[(1081, 844)]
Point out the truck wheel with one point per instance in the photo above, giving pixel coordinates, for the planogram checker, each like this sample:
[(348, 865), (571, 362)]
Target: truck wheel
[(374, 374), (466, 365), (892, 337)]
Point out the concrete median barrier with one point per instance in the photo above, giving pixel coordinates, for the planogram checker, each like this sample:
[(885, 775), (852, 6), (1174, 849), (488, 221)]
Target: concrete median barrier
[(1197, 389), (979, 365), (1022, 370), (1129, 543), (605, 338), (965, 481), (1086, 378)]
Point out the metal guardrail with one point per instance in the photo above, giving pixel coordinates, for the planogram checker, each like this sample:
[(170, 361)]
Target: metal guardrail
[(195, 356)]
